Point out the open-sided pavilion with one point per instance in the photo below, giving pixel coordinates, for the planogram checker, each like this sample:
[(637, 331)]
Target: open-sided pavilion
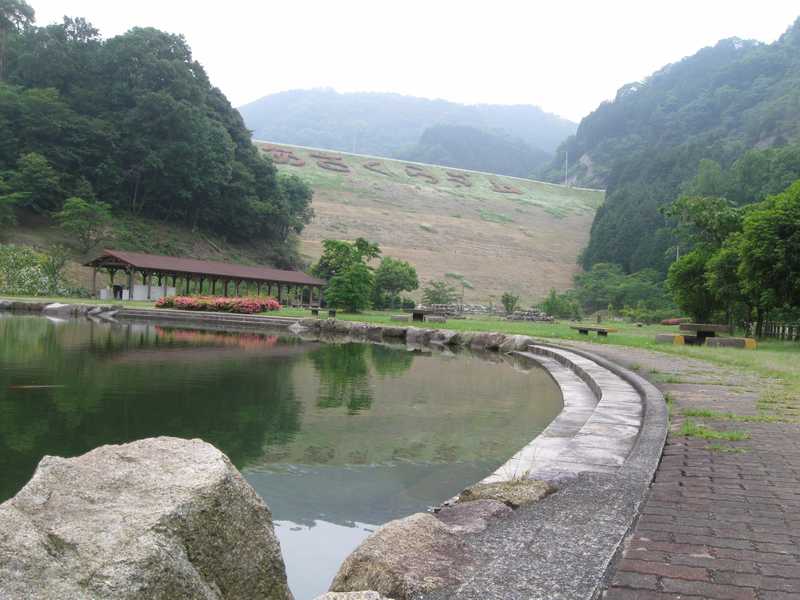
[(202, 276)]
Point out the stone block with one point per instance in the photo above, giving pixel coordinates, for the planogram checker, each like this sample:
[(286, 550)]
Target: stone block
[(670, 338), (404, 318), (722, 342)]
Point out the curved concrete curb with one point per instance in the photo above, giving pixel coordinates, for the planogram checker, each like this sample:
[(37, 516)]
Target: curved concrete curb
[(601, 452)]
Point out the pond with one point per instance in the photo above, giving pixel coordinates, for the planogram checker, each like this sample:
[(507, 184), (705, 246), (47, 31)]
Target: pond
[(338, 438)]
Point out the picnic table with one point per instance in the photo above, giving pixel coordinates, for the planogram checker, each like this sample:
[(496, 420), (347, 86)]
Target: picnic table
[(702, 331), (585, 329)]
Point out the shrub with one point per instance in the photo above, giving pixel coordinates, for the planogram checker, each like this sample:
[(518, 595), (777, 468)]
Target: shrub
[(509, 301), (247, 306), (25, 272)]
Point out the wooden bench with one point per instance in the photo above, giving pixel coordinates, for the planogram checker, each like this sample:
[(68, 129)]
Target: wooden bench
[(585, 329)]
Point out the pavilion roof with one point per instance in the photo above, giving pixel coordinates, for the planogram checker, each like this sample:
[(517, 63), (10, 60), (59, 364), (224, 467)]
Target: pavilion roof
[(181, 266)]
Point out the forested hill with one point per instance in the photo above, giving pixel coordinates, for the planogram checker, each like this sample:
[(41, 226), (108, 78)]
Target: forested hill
[(470, 148), (645, 146), (133, 122), (387, 124)]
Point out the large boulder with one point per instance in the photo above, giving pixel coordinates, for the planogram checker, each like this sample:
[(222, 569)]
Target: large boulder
[(516, 343), (158, 518), (416, 336), (511, 493), (446, 337), (406, 558), (487, 341), (472, 517)]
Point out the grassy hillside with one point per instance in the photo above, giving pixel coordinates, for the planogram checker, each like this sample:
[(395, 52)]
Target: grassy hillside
[(499, 233), (137, 234)]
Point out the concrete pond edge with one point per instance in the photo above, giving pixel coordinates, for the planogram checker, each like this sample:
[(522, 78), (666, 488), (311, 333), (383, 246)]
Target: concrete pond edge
[(579, 484)]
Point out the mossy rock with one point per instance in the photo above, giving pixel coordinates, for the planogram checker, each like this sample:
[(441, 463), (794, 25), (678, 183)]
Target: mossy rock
[(512, 493)]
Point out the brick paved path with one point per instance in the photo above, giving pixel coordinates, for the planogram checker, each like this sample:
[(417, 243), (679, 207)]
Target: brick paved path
[(722, 525)]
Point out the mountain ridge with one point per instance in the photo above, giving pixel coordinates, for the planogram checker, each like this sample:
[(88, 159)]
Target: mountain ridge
[(385, 124)]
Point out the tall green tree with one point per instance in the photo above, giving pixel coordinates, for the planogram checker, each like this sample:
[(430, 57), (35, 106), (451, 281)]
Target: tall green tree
[(88, 221), (509, 301), (351, 289), (687, 282), (392, 277), (14, 15), (770, 250), (439, 292), (338, 256), (39, 182)]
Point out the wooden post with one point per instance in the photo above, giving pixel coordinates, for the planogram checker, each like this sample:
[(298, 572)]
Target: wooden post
[(130, 283), (188, 279), (237, 287), (202, 279), (146, 275), (258, 288), (213, 287), (94, 282)]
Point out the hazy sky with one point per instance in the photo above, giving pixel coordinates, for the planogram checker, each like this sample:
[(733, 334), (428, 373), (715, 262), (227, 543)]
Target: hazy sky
[(566, 57)]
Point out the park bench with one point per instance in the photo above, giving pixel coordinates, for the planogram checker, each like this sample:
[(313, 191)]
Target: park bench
[(585, 329)]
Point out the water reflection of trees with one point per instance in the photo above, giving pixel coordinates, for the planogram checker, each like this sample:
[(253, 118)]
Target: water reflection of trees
[(239, 401), (390, 362), (344, 373), (343, 376)]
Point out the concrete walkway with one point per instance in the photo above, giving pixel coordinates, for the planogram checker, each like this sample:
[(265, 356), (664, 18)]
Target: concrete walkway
[(723, 518)]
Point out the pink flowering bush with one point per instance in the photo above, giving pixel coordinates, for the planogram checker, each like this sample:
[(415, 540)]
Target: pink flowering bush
[(247, 306)]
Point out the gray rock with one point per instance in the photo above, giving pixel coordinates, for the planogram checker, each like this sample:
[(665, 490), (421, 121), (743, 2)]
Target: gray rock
[(487, 341), (418, 337), (5, 304), (406, 558), (446, 337), (311, 324), (472, 517), (95, 311), (296, 328), (358, 329), (395, 332), (352, 596), (57, 309), (512, 493), (157, 518), (515, 343)]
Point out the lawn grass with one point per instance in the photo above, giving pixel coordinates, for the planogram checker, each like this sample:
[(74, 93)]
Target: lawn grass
[(697, 430)]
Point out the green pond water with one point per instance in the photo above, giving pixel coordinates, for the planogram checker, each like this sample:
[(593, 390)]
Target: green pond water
[(338, 438)]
